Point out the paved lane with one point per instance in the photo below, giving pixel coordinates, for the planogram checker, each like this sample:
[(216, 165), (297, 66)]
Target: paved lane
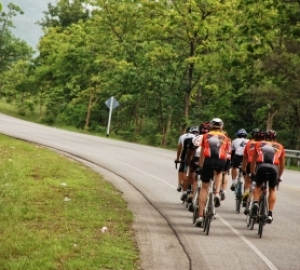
[(165, 234)]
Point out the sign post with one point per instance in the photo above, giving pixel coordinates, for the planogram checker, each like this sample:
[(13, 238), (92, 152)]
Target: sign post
[(111, 104)]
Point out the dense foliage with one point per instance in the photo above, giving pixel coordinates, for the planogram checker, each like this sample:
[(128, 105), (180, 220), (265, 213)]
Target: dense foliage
[(170, 64)]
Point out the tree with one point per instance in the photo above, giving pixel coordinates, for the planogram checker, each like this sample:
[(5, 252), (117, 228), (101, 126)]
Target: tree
[(11, 48)]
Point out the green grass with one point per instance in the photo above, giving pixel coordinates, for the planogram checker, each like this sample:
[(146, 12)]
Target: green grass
[(40, 230), (294, 168)]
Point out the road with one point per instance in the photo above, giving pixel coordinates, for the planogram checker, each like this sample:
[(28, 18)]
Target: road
[(164, 231)]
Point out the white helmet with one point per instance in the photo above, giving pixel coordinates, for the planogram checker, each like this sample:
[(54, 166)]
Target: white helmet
[(194, 129), (216, 122)]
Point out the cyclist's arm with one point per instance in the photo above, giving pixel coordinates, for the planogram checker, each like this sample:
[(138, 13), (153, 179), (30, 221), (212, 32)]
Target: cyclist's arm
[(201, 157), (281, 165), (253, 163), (245, 159)]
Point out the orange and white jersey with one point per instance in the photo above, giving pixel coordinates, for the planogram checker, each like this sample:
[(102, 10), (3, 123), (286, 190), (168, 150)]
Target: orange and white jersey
[(249, 150), (216, 145), (269, 152)]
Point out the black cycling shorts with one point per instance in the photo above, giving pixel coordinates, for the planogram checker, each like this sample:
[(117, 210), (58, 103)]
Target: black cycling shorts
[(226, 166), (236, 161), (265, 171), (211, 165), (182, 166)]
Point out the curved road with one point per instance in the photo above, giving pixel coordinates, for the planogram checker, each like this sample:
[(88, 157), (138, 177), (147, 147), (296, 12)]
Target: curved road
[(164, 230)]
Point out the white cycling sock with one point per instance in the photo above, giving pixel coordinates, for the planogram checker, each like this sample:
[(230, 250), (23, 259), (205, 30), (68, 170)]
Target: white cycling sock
[(234, 181)]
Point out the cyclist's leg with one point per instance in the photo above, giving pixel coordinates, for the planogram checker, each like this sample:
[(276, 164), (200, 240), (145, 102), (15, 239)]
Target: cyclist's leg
[(181, 175), (225, 174), (185, 181), (260, 174), (236, 162), (194, 185), (272, 191), (192, 173), (207, 174), (247, 185), (218, 168)]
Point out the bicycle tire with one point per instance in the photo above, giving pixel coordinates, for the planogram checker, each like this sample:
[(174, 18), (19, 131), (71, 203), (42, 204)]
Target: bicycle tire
[(252, 222), (238, 206), (208, 225), (260, 227), (238, 197), (261, 216), (248, 220), (204, 223), (195, 213)]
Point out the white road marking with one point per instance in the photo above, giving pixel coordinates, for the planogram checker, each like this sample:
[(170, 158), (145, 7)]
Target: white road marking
[(253, 247)]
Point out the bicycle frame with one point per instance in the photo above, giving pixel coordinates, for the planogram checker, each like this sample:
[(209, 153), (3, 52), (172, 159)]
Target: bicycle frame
[(263, 209), (239, 191)]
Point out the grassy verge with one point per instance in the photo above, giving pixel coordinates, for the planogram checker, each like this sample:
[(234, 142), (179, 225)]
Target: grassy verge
[(53, 210), (293, 168)]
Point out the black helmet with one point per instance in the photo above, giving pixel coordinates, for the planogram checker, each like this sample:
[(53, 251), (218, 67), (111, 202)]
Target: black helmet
[(263, 135), (255, 133)]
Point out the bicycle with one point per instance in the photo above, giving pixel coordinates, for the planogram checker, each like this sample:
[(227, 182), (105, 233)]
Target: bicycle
[(239, 190), (209, 211), (263, 209)]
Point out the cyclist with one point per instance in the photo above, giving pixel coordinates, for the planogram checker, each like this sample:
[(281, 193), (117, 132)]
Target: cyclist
[(194, 130), (268, 157), (194, 153), (214, 149), (237, 152), (247, 159), (182, 166)]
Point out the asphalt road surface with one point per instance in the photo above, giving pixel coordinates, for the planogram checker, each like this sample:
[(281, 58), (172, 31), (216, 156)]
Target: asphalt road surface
[(164, 231)]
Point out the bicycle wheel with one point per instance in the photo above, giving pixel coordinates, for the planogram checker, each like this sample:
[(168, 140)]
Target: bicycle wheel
[(237, 206), (260, 227), (238, 197), (252, 222), (261, 221), (207, 225), (204, 223), (195, 213)]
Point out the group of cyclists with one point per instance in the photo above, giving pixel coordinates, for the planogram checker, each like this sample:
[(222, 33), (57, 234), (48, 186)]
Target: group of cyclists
[(208, 151)]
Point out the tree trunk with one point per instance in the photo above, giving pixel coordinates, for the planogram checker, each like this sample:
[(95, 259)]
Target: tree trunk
[(89, 110), (270, 119), (169, 122)]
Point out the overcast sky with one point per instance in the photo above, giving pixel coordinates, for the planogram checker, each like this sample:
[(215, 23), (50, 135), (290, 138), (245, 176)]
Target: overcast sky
[(26, 27)]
